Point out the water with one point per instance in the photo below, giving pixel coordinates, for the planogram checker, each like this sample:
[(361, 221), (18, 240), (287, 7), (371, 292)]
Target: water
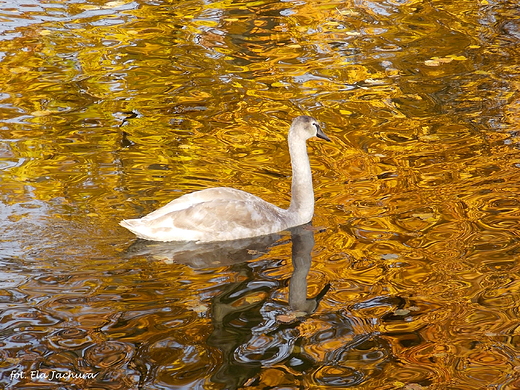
[(409, 278)]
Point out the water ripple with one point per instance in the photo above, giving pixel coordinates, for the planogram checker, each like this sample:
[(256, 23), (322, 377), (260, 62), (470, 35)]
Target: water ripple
[(110, 354)]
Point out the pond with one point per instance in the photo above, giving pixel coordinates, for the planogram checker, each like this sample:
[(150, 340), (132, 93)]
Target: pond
[(408, 277)]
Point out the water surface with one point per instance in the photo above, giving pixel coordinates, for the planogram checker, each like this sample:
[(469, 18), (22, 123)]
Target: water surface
[(409, 278)]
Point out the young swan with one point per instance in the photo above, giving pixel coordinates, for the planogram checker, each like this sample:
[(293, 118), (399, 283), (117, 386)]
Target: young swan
[(223, 213)]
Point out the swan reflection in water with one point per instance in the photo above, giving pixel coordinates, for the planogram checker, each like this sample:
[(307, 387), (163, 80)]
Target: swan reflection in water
[(241, 326), (264, 331), (226, 253)]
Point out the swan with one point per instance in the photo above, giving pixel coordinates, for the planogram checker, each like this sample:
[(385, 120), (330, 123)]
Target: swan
[(223, 213)]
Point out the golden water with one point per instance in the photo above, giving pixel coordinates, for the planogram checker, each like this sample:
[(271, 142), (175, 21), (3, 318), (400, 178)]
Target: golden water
[(110, 109)]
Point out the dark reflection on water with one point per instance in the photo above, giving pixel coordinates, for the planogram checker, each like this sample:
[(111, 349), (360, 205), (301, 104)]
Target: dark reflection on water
[(252, 333), (248, 332), (242, 328)]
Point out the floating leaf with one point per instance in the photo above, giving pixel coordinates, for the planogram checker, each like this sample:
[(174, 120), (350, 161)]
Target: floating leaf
[(374, 81), (436, 61), (201, 308), (414, 386), (286, 317), (19, 69), (114, 4), (348, 12), (432, 63), (444, 60), (41, 113), (457, 58)]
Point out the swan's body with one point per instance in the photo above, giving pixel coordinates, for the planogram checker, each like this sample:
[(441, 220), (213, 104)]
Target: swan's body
[(222, 213)]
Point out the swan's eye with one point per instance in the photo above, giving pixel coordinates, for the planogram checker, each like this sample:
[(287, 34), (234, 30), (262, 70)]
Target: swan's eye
[(317, 126)]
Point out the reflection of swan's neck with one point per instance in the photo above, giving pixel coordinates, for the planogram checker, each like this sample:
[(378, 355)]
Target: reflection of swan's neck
[(302, 244), (302, 194)]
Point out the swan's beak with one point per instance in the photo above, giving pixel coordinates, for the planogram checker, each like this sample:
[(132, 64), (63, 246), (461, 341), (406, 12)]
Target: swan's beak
[(321, 134)]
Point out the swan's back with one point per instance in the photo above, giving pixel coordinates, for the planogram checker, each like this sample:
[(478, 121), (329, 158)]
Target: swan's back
[(213, 214)]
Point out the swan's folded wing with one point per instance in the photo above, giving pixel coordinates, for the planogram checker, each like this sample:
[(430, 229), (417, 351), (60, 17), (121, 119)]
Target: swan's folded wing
[(206, 195), (219, 220)]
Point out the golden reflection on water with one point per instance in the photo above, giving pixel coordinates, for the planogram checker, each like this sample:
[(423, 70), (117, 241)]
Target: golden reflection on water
[(110, 109)]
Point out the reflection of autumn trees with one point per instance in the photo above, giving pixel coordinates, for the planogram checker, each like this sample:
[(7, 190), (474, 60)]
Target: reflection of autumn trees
[(235, 71), (110, 109)]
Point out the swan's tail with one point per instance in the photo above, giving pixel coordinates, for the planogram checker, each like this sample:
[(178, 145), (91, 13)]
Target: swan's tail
[(136, 226)]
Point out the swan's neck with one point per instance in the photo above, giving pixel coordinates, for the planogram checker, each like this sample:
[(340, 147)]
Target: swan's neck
[(302, 194)]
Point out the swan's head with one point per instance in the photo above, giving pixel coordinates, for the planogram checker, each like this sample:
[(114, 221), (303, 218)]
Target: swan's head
[(307, 127)]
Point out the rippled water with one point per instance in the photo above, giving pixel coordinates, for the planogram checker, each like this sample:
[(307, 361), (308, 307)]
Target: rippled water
[(409, 278)]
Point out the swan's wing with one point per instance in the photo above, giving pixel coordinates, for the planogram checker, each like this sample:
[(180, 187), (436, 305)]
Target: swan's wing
[(223, 215), (188, 200), (215, 220)]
